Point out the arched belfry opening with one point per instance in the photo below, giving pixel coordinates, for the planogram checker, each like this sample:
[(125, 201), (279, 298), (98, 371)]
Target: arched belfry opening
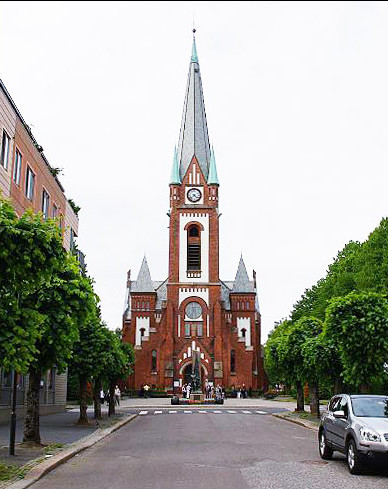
[(194, 248)]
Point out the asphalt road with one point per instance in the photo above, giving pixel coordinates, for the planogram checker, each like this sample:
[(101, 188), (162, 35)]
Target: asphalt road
[(171, 450)]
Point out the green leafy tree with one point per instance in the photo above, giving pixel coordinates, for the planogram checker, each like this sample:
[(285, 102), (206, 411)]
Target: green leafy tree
[(28, 255), (65, 302), (273, 365), (358, 326)]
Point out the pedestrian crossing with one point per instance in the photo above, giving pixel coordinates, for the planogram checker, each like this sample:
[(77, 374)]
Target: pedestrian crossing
[(201, 411)]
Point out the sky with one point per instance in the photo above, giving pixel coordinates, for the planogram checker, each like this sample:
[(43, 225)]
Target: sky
[(296, 97)]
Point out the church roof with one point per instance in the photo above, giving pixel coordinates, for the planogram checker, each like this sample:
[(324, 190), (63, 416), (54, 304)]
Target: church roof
[(175, 177), (143, 282), (242, 284), (212, 178), (193, 137)]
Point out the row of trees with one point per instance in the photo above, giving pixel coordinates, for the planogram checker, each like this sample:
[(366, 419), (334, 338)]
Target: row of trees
[(337, 333), (50, 314)]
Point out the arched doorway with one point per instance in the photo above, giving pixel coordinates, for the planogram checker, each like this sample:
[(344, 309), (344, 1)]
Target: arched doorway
[(188, 370)]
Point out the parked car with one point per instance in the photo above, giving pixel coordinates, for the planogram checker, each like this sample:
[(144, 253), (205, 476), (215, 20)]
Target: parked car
[(356, 425)]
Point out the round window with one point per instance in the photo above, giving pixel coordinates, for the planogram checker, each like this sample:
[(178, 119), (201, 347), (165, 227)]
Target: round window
[(193, 310)]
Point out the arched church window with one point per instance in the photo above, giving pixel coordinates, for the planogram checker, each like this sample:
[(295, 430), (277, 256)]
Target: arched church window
[(154, 360), (233, 361), (193, 248), (243, 332), (247, 305)]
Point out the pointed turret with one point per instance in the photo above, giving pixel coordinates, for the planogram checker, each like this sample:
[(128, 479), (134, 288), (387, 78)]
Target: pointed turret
[(175, 178), (212, 178), (143, 282), (241, 283), (193, 137)]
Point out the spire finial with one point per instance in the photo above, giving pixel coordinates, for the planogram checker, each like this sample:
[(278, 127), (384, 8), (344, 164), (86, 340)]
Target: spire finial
[(194, 56)]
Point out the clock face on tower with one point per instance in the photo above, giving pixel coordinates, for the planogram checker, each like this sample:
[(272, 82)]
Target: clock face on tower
[(194, 195)]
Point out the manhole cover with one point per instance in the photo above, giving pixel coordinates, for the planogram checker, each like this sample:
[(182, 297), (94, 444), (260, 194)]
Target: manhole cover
[(314, 462)]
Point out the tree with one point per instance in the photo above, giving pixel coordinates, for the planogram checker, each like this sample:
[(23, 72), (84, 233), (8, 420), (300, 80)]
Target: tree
[(273, 366), (64, 302), (28, 254), (358, 325)]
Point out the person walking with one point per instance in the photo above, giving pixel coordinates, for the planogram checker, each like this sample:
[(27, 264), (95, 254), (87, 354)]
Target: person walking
[(188, 389), (102, 396), (117, 395), (146, 389), (184, 391)]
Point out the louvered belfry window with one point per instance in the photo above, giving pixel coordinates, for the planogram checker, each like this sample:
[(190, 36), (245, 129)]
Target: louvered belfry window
[(193, 248)]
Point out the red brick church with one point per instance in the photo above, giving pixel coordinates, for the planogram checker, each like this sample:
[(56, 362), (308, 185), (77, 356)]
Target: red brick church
[(193, 309)]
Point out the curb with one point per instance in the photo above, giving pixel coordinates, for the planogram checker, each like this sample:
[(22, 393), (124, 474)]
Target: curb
[(48, 465), (305, 424)]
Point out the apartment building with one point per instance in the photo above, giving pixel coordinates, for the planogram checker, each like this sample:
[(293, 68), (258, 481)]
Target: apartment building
[(29, 181)]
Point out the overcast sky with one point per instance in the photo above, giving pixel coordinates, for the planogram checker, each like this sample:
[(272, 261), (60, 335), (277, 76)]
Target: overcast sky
[(296, 97)]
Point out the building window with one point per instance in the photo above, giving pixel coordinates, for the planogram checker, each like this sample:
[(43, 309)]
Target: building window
[(187, 329), (243, 332), (142, 332), (55, 211), (17, 168), (30, 183), (45, 204), (233, 361), (154, 360), (5, 149), (72, 239), (199, 329), (193, 248), (247, 305)]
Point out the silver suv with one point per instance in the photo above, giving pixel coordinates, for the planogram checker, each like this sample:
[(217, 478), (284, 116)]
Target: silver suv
[(356, 425)]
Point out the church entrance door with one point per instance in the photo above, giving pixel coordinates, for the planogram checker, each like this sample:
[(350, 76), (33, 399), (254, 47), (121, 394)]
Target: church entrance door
[(187, 374)]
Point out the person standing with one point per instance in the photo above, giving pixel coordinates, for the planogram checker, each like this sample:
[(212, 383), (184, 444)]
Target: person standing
[(102, 396), (184, 391), (188, 389), (146, 389)]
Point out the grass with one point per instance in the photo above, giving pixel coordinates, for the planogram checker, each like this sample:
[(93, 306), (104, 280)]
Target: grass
[(11, 471), (52, 448)]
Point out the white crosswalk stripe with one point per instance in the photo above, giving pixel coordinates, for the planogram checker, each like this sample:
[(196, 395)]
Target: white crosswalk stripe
[(232, 412), (247, 412), (158, 412), (202, 411), (173, 412), (188, 412), (143, 412), (217, 412), (261, 412)]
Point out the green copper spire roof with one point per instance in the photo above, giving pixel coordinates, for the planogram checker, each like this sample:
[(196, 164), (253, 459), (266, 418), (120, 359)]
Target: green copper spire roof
[(194, 55), (175, 179), (212, 179)]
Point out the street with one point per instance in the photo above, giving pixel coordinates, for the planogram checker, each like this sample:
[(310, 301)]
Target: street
[(207, 448)]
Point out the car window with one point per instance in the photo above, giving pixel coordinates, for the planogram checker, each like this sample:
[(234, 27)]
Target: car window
[(343, 406), (334, 403), (372, 407)]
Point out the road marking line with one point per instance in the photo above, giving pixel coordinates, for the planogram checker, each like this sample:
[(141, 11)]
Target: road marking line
[(217, 412), (188, 412), (143, 412), (173, 412), (158, 412), (261, 412), (232, 412), (202, 411), (247, 412)]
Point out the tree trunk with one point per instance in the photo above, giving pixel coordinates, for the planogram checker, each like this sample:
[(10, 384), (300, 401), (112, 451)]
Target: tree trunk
[(83, 403), (31, 422), (111, 409), (314, 399), (299, 397), (97, 400), (338, 386)]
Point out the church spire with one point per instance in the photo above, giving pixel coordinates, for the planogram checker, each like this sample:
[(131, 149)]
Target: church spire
[(143, 282), (241, 282), (193, 137), (212, 178), (175, 178)]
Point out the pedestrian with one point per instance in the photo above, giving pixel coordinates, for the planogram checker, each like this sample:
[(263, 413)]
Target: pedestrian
[(184, 391), (188, 389), (146, 388), (117, 395), (102, 396)]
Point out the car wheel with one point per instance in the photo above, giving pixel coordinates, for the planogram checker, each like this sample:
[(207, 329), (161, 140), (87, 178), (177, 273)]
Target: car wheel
[(353, 458), (324, 450)]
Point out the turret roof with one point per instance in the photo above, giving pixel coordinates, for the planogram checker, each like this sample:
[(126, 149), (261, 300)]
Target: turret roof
[(242, 283), (143, 282)]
